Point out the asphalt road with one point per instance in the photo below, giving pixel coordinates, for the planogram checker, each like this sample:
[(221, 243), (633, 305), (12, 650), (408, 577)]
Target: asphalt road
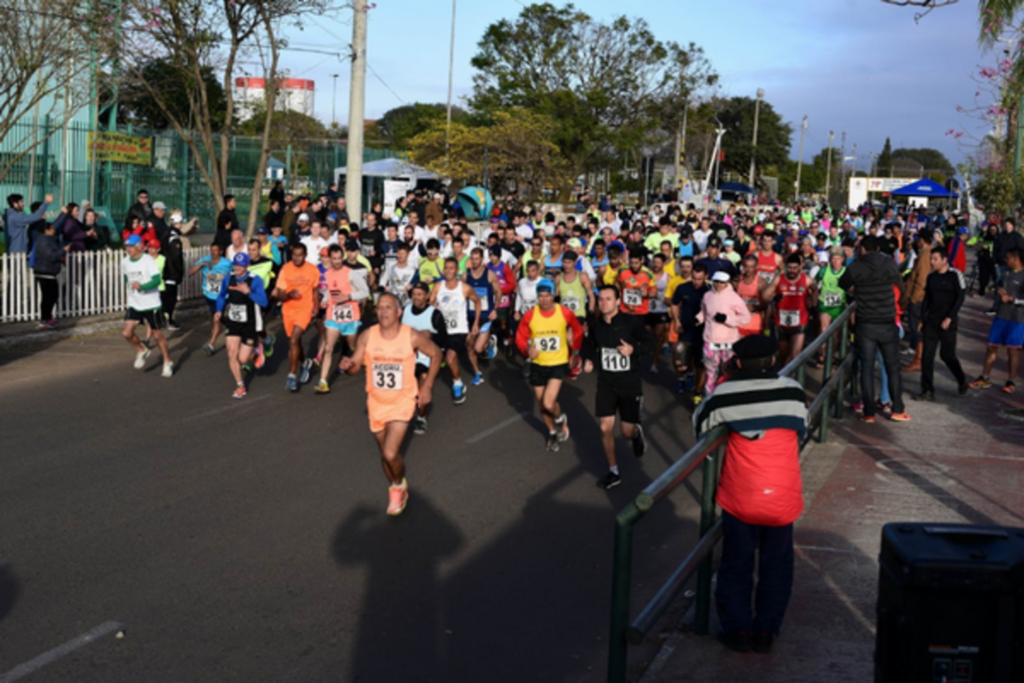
[(247, 540)]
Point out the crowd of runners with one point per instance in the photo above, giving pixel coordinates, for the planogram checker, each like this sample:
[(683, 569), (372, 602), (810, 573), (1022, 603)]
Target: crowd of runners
[(618, 292)]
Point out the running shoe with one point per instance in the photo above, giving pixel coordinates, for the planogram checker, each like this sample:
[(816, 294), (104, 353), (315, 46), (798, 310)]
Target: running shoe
[(1009, 387), (398, 498), (478, 379), (140, 359), (639, 442), (899, 417), (981, 383), (304, 373), (239, 391), (990, 311), (867, 419), (48, 324), (291, 384), (168, 370), (610, 481), (925, 396), (208, 348), (883, 407), (173, 326), (419, 425), (857, 407), (261, 359), (322, 387), (458, 394), (552, 443), (247, 368), (563, 433), (268, 345)]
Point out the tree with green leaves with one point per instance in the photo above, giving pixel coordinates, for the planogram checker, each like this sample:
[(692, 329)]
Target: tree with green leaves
[(136, 106), (399, 125), (773, 135), (921, 162), (884, 163), (597, 82)]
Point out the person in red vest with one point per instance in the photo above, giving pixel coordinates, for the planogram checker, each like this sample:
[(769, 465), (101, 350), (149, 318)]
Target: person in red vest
[(760, 492), (958, 250)]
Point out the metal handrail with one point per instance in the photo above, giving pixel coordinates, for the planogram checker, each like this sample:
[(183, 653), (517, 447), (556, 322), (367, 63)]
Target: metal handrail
[(624, 633)]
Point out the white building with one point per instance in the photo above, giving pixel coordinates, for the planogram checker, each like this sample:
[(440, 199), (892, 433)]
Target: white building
[(293, 94)]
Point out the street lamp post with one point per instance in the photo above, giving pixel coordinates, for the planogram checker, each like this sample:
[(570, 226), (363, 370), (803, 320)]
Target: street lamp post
[(334, 101), (828, 167), (800, 160), (753, 152)]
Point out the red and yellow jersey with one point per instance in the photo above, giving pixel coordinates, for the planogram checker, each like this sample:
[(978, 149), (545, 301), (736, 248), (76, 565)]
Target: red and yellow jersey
[(637, 289), (548, 333)]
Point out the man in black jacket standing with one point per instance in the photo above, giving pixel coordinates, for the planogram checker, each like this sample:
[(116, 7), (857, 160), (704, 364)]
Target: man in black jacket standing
[(226, 222), (1006, 240), (172, 249), (615, 345), (943, 297), (872, 278)]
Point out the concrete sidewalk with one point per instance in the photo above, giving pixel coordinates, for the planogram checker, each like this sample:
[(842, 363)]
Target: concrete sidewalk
[(958, 460)]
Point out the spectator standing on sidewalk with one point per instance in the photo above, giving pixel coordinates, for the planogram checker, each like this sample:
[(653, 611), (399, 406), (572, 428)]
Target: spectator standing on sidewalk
[(1008, 239), (943, 296), (760, 492), (173, 251), (17, 222), (46, 262), (1008, 327), (226, 222), (140, 210), (915, 295), (871, 279)]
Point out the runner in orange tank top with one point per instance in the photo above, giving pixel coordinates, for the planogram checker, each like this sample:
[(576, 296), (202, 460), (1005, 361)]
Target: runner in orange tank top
[(751, 289), (389, 352)]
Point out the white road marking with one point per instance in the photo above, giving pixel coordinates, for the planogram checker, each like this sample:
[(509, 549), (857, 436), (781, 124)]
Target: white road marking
[(56, 653), (497, 428), (231, 406)]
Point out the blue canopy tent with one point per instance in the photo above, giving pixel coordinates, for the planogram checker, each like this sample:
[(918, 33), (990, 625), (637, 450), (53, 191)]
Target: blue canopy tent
[(924, 188)]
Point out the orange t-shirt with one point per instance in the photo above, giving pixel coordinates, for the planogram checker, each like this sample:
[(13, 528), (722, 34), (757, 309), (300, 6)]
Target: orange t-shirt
[(636, 288), (306, 279)]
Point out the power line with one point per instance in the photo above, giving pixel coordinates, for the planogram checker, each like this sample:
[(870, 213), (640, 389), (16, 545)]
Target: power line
[(374, 72)]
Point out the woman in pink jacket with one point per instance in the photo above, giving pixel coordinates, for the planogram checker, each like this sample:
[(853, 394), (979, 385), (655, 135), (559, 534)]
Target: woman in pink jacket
[(723, 313)]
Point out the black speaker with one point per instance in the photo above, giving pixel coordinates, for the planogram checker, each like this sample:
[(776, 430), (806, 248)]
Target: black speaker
[(950, 604)]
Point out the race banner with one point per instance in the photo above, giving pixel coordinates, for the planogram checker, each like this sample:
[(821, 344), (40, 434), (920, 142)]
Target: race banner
[(119, 148)]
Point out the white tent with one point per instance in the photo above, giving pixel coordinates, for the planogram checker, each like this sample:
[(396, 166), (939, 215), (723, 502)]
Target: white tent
[(388, 179)]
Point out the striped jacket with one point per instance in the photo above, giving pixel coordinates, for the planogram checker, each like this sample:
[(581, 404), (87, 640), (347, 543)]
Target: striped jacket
[(767, 417)]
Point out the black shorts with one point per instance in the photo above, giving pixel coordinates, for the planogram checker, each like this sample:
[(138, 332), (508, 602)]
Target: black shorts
[(421, 370), (154, 318), (787, 333), (609, 402), (456, 342), (212, 305), (658, 319), (249, 334), (540, 375)]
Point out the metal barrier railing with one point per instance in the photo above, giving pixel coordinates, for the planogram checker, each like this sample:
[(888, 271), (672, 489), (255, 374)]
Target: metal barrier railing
[(625, 633)]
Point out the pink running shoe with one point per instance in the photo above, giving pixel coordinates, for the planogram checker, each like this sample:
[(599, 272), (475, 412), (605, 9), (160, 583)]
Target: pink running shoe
[(398, 498)]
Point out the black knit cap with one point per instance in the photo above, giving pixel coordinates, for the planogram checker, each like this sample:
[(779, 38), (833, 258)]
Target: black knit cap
[(755, 346)]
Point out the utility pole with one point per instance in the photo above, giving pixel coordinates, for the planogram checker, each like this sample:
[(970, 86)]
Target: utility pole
[(334, 102), (853, 173), (800, 160), (842, 164), (356, 112), (753, 152), (871, 164), (451, 71), (828, 167), (681, 148)]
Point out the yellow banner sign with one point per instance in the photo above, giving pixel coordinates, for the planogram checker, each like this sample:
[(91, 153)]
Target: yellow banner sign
[(120, 148)]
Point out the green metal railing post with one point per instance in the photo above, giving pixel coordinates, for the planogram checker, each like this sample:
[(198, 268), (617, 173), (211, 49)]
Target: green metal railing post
[(622, 577), (184, 177), (844, 340), (801, 375), (288, 169), (46, 155), (827, 375), (707, 520)]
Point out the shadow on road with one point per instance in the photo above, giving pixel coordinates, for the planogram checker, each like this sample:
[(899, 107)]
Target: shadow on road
[(9, 590)]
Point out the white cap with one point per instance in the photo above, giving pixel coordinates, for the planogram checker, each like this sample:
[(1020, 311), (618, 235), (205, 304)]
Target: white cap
[(720, 276), (159, 205), (304, 217), (176, 218)]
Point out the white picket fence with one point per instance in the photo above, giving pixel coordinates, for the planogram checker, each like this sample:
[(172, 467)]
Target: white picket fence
[(91, 283)]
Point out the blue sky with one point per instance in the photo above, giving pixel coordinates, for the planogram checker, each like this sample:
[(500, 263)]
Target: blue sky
[(859, 66)]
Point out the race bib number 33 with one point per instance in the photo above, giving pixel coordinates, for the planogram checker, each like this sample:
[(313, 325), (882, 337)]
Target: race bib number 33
[(387, 376)]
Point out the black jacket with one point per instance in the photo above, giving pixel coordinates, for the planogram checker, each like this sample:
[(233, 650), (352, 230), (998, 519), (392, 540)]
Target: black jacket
[(1004, 242), (48, 255), (604, 338), (174, 257), (226, 222), (871, 278), (140, 211)]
